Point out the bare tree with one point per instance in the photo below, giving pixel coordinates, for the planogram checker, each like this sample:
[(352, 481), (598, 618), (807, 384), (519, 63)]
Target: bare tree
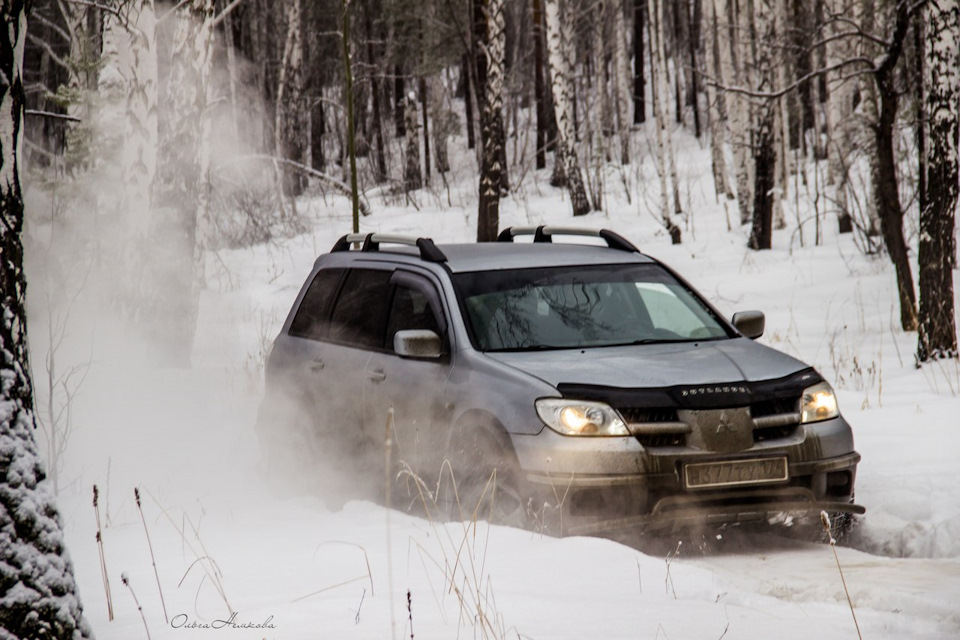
[(938, 329), (290, 110), (490, 34), (559, 57), (39, 594), (181, 196)]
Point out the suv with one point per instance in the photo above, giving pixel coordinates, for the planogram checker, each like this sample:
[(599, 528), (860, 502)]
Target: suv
[(587, 377)]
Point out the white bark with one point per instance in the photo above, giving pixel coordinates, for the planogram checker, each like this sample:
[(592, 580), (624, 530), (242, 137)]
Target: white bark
[(621, 81), (717, 68), (288, 125), (661, 117), (559, 60)]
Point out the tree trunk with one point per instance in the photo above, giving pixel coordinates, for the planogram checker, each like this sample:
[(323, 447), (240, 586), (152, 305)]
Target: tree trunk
[(35, 562), (715, 104), (412, 178), (181, 196), (659, 85), (425, 119), (468, 95), (761, 233), (937, 328), (374, 55), (289, 119), (621, 74), (399, 102), (538, 85), (490, 34), (884, 172), (735, 59), (639, 82), (558, 54)]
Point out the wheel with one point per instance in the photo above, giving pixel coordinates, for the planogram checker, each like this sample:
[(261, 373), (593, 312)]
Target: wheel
[(489, 483)]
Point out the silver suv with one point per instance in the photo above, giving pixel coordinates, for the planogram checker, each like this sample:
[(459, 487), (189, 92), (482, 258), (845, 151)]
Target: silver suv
[(588, 378)]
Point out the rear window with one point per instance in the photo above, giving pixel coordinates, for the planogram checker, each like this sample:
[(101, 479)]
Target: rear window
[(311, 319)]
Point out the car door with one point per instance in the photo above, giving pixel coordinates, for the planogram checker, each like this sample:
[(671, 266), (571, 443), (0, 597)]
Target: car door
[(413, 387), (302, 350), (357, 326)]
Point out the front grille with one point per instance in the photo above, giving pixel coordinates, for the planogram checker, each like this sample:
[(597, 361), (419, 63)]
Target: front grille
[(656, 426), (649, 440), (649, 414), (775, 419), (774, 407)]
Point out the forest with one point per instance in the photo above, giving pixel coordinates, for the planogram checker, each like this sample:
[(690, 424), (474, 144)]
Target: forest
[(148, 134)]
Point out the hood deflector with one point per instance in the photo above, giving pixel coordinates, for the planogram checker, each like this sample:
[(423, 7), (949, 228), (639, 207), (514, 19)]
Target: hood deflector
[(704, 396)]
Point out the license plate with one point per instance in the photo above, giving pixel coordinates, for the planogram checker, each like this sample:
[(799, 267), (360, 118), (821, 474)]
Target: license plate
[(734, 473)]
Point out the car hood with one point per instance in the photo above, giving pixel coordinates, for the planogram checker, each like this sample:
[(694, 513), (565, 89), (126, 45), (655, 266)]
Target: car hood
[(656, 365)]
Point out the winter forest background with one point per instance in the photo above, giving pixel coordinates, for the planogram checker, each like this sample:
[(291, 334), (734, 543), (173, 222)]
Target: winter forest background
[(158, 142)]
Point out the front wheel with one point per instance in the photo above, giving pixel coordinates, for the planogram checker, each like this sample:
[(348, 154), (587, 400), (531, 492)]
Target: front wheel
[(489, 483)]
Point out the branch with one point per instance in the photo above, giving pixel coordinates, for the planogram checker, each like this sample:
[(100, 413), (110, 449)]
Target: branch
[(226, 10), (172, 10), (51, 25), (51, 114), (323, 177), (97, 5), (49, 51), (773, 95)]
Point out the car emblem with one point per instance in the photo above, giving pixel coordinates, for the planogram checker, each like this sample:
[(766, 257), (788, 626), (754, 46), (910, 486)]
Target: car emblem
[(725, 426)]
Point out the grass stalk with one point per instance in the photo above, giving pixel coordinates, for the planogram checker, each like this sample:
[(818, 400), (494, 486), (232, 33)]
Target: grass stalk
[(103, 558), (153, 560), (126, 581), (825, 519)]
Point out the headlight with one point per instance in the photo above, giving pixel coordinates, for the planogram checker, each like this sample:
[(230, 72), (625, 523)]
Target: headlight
[(818, 403), (580, 417)]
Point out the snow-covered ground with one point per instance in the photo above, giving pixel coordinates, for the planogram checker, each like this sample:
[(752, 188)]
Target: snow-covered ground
[(221, 542)]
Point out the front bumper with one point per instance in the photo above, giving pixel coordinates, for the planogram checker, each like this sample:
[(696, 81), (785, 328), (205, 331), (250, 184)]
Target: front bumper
[(602, 485)]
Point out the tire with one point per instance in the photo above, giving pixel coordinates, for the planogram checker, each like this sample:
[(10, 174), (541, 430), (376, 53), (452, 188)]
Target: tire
[(489, 482)]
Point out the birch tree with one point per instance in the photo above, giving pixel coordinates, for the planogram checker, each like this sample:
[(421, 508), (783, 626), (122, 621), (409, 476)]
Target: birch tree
[(130, 51), (181, 196), (289, 122), (764, 127), (716, 113), (38, 592), (620, 75), (666, 166), (490, 33), (561, 69), (937, 329)]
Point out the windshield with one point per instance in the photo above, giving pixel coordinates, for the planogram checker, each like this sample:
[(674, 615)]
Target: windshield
[(576, 306)]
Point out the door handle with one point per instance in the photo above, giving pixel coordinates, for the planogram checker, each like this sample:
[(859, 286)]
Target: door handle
[(315, 365), (377, 375)]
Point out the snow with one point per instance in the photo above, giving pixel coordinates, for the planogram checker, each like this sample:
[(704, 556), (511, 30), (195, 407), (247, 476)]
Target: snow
[(298, 568)]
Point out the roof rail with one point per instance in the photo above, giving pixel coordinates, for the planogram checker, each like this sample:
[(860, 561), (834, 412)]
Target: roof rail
[(545, 233), (371, 242)]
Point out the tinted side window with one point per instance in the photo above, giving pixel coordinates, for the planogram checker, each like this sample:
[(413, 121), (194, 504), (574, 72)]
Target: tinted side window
[(360, 313), (311, 319), (410, 310)]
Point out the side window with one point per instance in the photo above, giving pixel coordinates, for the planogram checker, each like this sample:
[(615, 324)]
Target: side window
[(410, 310), (360, 313), (311, 319)]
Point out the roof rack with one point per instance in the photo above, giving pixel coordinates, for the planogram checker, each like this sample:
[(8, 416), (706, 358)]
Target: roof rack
[(372, 241), (545, 233)]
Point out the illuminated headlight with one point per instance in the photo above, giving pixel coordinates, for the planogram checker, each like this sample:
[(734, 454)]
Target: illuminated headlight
[(818, 403), (581, 418)]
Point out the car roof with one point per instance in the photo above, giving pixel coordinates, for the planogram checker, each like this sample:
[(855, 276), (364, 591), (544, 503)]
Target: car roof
[(496, 256), (504, 254)]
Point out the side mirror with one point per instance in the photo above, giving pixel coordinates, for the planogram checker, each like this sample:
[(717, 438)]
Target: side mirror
[(749, 323), (417, 343)]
